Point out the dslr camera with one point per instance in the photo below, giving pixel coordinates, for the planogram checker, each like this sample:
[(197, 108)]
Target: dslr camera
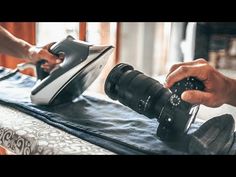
[(147, 96)]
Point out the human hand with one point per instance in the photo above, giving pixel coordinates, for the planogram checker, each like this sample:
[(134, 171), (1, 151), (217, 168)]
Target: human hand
[(218, 88), (39, 53)]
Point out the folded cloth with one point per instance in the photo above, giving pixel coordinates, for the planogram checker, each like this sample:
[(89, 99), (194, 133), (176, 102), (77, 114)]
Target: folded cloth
[(107, 124), (216, 136)]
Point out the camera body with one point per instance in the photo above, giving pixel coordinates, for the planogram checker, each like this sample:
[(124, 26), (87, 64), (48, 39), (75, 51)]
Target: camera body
[(177, 115), (147, 96)]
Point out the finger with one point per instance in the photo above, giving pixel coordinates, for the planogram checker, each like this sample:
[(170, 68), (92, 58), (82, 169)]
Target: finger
[(46, 68), (61, 56), (197, 97), (175, 66), (48, 65), (45, 64), (52, 59), (48, 46), (186, 71)]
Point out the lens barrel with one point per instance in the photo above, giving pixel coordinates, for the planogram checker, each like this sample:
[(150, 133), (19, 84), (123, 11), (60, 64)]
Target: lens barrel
[(147, 96), (136, 90)]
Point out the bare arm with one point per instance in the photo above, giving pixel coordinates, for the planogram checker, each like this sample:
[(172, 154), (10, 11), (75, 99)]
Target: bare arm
[(11, 45), (219, 89)]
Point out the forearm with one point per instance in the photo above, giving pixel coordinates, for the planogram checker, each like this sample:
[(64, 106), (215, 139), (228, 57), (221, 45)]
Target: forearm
[(13, 46)]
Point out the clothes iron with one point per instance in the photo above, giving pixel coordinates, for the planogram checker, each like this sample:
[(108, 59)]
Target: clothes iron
[(214, 137), (82, 64)]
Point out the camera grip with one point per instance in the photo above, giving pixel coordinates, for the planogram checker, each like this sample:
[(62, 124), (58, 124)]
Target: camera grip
[(189, 83)]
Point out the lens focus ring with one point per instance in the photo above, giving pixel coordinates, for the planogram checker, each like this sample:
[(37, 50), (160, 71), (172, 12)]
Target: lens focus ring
[(113, 78)]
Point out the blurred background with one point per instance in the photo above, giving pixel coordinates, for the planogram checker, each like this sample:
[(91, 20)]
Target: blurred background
[(150, 47)]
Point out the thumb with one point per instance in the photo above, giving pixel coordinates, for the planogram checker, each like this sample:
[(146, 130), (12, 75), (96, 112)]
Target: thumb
[(196, 97), (49, 57)]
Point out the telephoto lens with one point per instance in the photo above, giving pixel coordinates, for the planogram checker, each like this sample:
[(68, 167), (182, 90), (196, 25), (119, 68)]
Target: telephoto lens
[(147, 96)]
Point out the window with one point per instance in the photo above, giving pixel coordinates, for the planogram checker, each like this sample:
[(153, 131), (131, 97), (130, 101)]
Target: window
[(102, 33), (48, 32), (146, 46)]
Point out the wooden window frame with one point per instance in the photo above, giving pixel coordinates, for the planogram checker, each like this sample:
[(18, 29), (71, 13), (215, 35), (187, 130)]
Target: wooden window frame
[(83, 35), (27, 32)]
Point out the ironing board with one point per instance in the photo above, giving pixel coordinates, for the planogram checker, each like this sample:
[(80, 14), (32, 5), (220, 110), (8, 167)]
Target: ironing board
[(22, 134), (96, 120)]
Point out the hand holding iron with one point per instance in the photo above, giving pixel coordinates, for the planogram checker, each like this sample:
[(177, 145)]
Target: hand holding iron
[(19, 48), (37, 54)]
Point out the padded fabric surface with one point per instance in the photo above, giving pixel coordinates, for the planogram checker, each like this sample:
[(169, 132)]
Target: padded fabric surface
[(107, 124)]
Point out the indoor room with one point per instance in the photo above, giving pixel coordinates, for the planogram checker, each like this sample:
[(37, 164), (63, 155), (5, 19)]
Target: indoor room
[(117, 88)]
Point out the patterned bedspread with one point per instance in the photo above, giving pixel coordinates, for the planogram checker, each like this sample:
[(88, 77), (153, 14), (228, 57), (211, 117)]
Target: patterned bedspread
[(111, 126), (23, 134)]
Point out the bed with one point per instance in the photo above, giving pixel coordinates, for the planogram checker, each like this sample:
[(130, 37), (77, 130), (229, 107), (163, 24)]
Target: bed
[(91, 125), (22, 134)]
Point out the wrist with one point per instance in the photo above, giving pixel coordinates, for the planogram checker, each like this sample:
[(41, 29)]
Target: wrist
[(23, 49), (33, 52)]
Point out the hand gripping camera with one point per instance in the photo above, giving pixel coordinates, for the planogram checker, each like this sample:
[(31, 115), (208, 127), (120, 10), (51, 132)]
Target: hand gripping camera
[(148, 97)]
